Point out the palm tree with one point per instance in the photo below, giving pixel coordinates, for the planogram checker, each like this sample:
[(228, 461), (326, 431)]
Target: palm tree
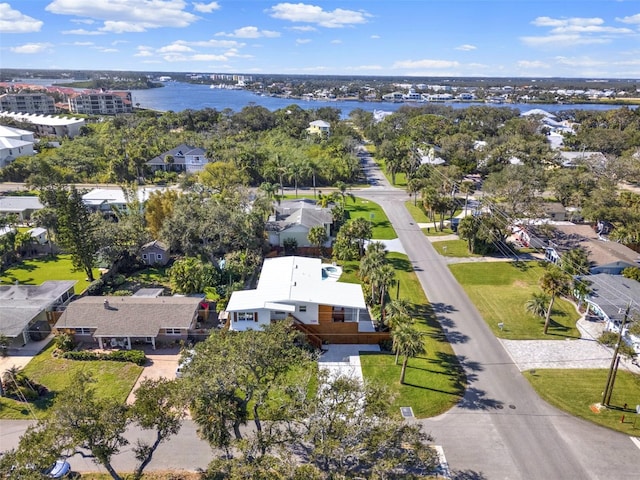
[(318, 237), (408, 342), (581, 289), (374, 258), (553, 282), (575, 262), (537, 304), (383, 278), (342, 190)]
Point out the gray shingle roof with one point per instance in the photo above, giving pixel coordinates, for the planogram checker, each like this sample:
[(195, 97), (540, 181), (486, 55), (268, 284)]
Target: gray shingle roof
[(612, 293), (129, 316)]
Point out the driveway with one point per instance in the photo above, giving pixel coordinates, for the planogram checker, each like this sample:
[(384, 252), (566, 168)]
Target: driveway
[(161, 363), (19, 357)]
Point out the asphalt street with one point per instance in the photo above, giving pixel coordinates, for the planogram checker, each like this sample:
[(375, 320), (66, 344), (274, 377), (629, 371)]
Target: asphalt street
[(501, 429)]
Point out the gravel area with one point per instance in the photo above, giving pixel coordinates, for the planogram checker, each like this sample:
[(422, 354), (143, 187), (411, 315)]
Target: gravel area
[(586, 352)]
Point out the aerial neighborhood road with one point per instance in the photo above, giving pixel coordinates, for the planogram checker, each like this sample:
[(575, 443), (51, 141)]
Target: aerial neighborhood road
[(500, 429)]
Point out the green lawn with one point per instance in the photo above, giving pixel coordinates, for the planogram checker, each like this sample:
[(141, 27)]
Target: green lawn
[(371, 211), (113, 379), (434, 382), (575, 391), (500, 290), (401, 178), (37, 270), (453, 248), (151, 277)]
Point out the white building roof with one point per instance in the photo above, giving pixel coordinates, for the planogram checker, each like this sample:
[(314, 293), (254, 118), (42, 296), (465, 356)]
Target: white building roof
[(13, 143), (39, 119), (320, 123), (286, 280), (17, 204), (11, 132), (115, 195)]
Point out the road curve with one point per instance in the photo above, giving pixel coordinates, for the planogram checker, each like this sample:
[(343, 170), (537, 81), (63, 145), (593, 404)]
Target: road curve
[(501, 429)]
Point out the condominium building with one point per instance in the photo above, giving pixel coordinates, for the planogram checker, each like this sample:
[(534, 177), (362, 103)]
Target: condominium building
[(103, 103), (27, 103)]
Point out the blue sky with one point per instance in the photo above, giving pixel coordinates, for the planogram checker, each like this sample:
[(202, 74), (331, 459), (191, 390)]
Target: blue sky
[(523, 38)]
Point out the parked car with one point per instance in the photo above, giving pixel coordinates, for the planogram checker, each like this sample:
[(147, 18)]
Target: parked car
[(60, 469), (185, 359)]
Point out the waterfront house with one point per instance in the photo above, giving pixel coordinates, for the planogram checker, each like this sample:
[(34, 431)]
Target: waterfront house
[(49, 125), (319, 127)]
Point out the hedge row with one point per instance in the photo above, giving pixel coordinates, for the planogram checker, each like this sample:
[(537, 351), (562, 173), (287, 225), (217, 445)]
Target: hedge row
[(134, 356)]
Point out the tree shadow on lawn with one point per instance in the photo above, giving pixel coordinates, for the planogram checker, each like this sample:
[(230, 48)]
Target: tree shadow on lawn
[(10, 279), (401, 264), (559, 330)]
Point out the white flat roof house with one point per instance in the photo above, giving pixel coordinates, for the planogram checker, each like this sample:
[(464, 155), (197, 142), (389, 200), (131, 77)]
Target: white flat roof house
[(105, 200), (49, 124), (302, 288)]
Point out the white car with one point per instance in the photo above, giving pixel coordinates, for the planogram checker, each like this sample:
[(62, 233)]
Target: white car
[(184, 361)]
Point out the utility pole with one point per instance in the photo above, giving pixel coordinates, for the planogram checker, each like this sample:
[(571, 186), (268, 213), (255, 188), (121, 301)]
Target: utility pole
[(615, 361)]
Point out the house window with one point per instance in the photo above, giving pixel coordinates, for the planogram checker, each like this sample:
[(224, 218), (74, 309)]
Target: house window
[(245, 316), (302, 308), (83, 331), (144, 256), (196, 159), (173, 331), (159, 256)]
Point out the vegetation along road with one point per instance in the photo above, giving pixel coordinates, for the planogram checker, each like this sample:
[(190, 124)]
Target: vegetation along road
[(501, 428)]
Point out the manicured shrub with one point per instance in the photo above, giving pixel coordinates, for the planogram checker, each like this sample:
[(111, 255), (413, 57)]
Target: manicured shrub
[(65, 342)]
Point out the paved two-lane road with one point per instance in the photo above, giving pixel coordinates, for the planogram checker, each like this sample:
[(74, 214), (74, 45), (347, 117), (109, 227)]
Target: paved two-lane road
[(501, 429)]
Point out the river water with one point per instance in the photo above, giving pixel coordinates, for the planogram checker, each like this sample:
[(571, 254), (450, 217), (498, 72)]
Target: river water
[(178, 96)]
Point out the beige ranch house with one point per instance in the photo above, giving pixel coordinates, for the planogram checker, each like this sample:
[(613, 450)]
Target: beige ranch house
[(119, 322)]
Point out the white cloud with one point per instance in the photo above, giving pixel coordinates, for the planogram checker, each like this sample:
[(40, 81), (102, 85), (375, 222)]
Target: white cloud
[(249, 32), (83, 44), (13, 21), (566, 32), (304, 28), (175, 48), (532, 64), (466, 47), (561, 22), (83, 21), (375, 37), (30, 48), (107, 50), (301, 12), (123, 27), (567, 40), (144, 51), (208, 58), (82, 31), (364, 68), (127, 15), (336, 42), (302, 41), (633, 19), (579, 62), (426, 63), (117, 42), (206, 7), (212, 43)]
